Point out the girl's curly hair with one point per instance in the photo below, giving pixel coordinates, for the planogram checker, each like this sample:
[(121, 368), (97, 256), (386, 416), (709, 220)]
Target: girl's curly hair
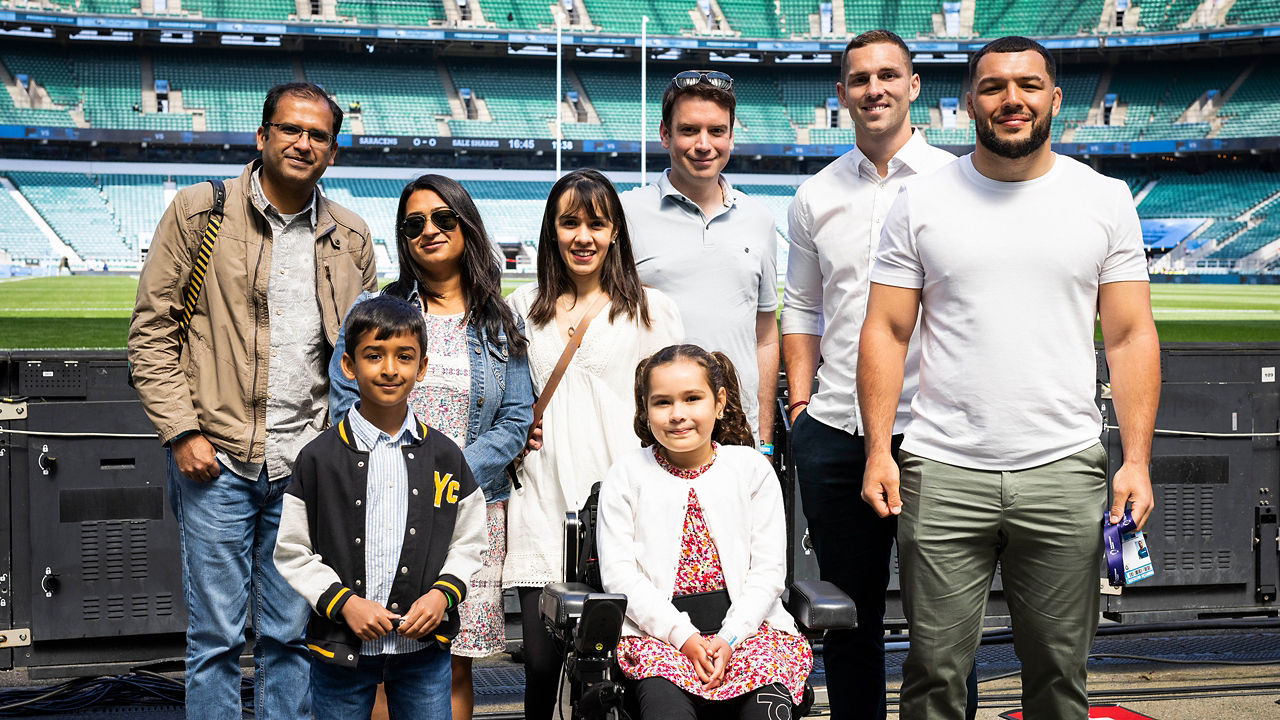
[(732, 429)]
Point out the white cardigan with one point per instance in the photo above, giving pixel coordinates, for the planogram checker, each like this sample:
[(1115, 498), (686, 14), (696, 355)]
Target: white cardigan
[(642, 510)]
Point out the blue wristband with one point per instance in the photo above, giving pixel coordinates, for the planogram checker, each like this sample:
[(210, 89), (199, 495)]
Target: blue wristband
[(766, 449)]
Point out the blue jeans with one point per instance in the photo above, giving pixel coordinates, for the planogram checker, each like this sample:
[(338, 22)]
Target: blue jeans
[(417, 685), (227, 531)]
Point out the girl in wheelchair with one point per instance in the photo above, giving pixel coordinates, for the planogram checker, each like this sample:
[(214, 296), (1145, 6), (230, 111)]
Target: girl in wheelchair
[(691, 529)]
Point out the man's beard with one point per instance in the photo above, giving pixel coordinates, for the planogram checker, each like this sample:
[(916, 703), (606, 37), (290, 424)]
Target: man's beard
[(1013, 149)]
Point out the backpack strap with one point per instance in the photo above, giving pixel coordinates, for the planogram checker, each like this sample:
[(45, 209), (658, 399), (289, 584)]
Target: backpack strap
[(201, 264)]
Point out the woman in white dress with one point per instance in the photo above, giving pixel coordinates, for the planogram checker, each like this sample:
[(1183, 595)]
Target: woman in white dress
[(585, 266)]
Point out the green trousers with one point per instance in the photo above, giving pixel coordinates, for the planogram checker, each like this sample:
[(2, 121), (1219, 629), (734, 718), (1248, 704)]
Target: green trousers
[(1043, 526)]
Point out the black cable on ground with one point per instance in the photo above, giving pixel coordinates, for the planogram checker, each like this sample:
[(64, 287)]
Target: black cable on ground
[(141, 688)]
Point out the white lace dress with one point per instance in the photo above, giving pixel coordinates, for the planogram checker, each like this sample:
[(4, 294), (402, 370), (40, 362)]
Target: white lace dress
[(585, 428)]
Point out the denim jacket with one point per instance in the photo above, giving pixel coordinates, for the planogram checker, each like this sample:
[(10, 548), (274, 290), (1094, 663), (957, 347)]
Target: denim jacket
[(501, 405)]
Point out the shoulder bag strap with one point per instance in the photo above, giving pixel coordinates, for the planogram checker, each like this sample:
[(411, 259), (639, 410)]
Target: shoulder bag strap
[(201, 264), (571, 347)]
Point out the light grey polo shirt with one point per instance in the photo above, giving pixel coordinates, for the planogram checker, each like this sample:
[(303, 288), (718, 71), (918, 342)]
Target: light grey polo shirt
[(719, 269)]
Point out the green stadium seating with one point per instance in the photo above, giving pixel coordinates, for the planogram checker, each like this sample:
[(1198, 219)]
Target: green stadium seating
[(136, 202), (375, 200), (47, 66), (111, 82), (1249, 12), (613, 91), (279, 10), (1254, 109), (77, 211), (520, 98), (19, 236), (666, 17), (523, 14), (392, 12), (397, 97), (1219, 194), (995, 18), (229, 86), (749, 19), (1253, 239), (1164, 14), (908, 18), (1157, 97)]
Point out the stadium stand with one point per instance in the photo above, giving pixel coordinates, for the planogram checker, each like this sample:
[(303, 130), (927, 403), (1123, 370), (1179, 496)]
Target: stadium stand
[(1220, 194), (396, 97), (994, 18), (242, 9), (1249, 12), (1154, 100), (517, 98), (612, 91), (666, 17), (77, 211), (746, 18), (111, 84), (392, 12), (908, 18), (1164, 14), (136, 203), (228, 87), (1254, 108), (18, 235)]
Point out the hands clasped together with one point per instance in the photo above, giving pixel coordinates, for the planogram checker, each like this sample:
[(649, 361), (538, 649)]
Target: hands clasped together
[(710, 657), (370, 621)]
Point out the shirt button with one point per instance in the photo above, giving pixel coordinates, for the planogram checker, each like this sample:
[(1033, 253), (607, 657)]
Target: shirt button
[(360, 464), (477, 350), (404, 571), (410, 456), (358, 503), (395, 606), (415, 491), (412, 531), (357, 541), (480, 402), (280, 312), (281, 272), (358, 583)]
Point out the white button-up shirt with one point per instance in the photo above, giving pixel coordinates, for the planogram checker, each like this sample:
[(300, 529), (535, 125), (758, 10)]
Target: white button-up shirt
[(834, 224), (385, 517)]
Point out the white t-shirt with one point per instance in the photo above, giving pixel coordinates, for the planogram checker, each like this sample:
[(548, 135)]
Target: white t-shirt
[(1009, 275)]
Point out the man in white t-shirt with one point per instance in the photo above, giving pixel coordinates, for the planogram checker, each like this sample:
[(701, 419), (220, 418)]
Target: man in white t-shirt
[(1008, 254), (835, 222), (708, 246)]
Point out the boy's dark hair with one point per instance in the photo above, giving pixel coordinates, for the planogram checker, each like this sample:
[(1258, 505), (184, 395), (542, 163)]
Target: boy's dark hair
[(871, 37), (304, 90), (706, 91), (1014, 44), (386, 315), (732, 429)]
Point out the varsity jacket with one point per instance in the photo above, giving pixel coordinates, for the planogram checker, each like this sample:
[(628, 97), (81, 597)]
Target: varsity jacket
[(320, 548)]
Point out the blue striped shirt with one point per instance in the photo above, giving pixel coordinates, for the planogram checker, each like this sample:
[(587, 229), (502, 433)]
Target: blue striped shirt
[(385, 515)]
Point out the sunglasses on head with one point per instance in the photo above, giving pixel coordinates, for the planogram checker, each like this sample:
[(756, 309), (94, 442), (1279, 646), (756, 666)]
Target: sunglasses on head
[(714, 78), (444, 219)]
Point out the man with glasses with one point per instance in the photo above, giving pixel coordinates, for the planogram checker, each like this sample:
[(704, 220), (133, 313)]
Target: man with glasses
[(708, 246), (237, 392)]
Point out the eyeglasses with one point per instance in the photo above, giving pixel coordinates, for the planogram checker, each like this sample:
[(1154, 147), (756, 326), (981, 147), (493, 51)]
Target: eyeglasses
[(444, 219), (714, 78), (291, 133)]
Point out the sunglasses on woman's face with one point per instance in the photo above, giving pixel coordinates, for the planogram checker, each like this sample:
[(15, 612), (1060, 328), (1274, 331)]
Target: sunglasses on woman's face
[(444, 219)]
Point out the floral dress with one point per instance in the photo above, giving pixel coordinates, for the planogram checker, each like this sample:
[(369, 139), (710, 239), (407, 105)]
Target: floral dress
[(442, 400), (770, 656)]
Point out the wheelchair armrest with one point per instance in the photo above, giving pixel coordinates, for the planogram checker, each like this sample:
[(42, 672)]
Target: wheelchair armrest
[(819, 605), (560, 605)]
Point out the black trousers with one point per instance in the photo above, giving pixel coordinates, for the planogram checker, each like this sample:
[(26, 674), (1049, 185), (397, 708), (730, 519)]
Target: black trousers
[(542, 659), (660, 699), (854, 548)]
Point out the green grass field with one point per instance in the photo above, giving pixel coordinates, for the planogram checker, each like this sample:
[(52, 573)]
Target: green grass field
[(93, 312)]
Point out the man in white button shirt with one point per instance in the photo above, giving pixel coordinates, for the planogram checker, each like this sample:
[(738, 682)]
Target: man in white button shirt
[(1007, 256), (835, 224)]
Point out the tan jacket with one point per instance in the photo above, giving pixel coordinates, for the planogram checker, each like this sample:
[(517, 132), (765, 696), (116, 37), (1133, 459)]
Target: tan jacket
[(217, 383)]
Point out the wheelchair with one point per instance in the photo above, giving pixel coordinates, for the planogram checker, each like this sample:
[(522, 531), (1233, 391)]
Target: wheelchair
[(588, 624)]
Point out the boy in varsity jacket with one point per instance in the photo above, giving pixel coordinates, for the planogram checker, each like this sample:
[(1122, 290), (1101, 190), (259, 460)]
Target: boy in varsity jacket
[(381, 529)]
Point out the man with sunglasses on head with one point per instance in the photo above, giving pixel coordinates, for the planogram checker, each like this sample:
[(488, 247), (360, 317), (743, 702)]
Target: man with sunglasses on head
[(236, 394), (708, 246)]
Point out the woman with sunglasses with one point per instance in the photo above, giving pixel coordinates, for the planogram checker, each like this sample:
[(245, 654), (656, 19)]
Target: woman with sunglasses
[(586, 274), (477, 389)]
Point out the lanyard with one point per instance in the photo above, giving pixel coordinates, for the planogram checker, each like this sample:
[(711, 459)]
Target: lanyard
[(1113, 549)]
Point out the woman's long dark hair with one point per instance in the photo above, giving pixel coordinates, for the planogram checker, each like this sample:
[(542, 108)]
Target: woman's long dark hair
[(591, 191), (481, 273)]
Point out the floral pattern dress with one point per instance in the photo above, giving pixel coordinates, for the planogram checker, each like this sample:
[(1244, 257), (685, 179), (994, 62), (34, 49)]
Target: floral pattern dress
[(770, 656)]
